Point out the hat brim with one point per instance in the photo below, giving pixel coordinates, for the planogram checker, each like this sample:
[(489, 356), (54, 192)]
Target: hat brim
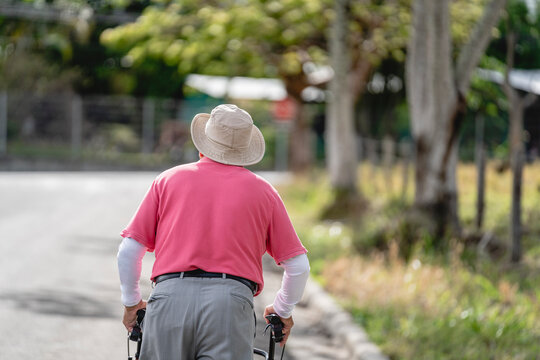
[(224, 154)]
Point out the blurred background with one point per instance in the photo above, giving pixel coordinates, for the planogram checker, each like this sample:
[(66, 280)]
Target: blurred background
[(409, 131)]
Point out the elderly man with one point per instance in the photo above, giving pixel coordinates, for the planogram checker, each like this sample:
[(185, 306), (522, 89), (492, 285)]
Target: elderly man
[(209, 223)]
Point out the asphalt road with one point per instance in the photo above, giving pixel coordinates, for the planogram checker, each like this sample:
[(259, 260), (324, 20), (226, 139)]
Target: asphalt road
[(59, 292)]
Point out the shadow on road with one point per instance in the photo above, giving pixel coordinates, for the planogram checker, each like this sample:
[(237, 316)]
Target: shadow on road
[(59, 303)]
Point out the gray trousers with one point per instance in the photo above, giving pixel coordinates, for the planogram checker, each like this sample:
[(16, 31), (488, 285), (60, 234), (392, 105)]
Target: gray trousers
[(199, 319)]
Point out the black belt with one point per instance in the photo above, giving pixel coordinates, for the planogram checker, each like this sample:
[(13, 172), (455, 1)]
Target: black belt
[(203, 274)]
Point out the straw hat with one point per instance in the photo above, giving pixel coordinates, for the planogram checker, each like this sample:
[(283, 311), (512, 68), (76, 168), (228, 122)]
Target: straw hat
[(227, 135)]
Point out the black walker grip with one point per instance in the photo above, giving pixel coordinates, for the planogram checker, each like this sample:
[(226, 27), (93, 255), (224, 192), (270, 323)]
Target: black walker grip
[(277, 327)]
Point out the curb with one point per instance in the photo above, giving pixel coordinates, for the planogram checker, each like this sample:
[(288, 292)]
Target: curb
[(345, 330)]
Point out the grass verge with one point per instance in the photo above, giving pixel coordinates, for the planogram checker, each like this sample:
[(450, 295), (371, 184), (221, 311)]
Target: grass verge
[(417, 302)]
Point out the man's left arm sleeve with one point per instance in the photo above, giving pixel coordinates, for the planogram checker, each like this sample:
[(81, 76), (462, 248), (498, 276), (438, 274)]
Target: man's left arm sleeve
[(282, 241), (293, 284), (130, 255)]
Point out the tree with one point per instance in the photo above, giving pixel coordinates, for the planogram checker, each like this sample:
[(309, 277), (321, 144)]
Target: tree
[(253, 38), (290, 38), (376, 31), (363, 34), (341, 135), (482, 103), (517, 28), (436, 90)]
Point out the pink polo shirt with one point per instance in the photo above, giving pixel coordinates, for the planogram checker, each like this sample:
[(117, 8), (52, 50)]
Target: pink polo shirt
[(214, 217)]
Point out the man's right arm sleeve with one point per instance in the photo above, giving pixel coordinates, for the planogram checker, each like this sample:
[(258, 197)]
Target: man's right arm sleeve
[(143, 224)]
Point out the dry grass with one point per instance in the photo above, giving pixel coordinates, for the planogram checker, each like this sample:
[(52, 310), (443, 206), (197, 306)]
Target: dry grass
[(384, 281)]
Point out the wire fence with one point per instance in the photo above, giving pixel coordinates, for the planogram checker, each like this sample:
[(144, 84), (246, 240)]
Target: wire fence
[(78, 127), (141, 131)]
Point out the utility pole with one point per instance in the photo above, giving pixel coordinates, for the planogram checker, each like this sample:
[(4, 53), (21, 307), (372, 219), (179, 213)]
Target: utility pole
[(3, 123)]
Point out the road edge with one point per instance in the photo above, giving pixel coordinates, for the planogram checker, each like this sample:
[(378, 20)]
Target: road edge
[(341, 324)]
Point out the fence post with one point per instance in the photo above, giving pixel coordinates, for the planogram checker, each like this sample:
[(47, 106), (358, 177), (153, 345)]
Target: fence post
[(148, 117), (3, 122), (76, 125), (480, 157), (406, 155)]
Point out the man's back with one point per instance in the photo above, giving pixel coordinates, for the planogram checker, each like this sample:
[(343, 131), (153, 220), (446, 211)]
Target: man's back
[(213, 217)]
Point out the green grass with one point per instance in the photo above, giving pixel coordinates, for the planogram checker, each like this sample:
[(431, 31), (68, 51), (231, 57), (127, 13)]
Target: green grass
[(63, 153), (416, 301)]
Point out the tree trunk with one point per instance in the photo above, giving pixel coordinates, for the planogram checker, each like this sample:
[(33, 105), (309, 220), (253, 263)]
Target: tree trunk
[(341, 149), (432, 100), (517, 107), (341, 134), (437, 104), (518, 158), (301, 139)]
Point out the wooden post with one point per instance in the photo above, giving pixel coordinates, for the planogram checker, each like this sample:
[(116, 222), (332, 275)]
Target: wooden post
[(373, 158), (518, 157), (148, 118), (3, 122), (76, 125), (360, 148), (480, 159), (405, 152)]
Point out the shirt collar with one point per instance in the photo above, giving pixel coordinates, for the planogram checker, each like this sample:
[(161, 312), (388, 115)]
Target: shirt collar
[(207, 160)]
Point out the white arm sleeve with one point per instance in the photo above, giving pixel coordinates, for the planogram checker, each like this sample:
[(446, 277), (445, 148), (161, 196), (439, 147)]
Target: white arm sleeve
[(130, 255), (292, 285)]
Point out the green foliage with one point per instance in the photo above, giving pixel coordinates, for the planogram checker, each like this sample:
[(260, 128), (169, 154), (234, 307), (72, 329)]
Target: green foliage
[(29, 72), (380, 30), (464, 16), (176, 37), (485, 96), (61, 156), (526, 27), (476, 326), (257, 38), (486, 99), (116, 138), (230, 38), (74, 48)]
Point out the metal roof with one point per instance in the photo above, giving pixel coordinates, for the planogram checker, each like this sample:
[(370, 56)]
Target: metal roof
[(525, 80), (239, 87)]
